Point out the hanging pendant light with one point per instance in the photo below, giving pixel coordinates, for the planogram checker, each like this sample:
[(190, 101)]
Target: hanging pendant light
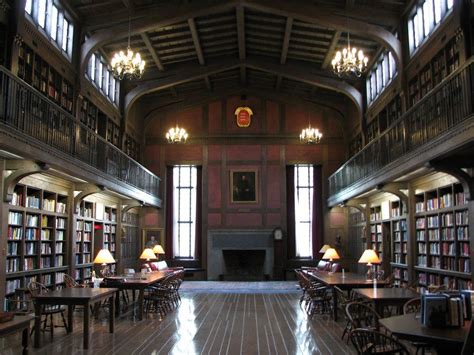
[(127, 65), (176, 135), (350, 61)]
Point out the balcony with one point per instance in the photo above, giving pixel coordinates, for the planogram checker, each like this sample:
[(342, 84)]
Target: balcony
[(431, 124), (29, 116)]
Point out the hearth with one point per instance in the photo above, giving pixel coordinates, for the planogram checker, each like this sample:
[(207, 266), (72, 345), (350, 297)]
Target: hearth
[(239, 245)]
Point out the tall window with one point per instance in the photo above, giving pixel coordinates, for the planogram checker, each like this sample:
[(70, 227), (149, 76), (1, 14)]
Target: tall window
[(424, 19), (304, 189), (184, 211), (100, 74), (54, 22), (380, 76)]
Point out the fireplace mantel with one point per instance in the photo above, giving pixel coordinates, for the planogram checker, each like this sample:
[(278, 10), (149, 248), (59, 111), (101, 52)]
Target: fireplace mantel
[(237, 239)]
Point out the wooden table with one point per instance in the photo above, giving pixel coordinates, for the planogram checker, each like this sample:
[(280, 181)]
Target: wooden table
[(347, 282), (444, 340), (74, 297), (382, 297), (135, 282), (18, 323)]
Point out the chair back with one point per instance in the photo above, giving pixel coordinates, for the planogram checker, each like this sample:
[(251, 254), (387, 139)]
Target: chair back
[(368, 341), (361, 315), (70, 282), (336, 267), (412, 306), (342, 298), (37, 288)]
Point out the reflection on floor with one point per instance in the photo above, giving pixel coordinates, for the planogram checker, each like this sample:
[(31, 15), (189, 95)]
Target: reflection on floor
[(206, 323)]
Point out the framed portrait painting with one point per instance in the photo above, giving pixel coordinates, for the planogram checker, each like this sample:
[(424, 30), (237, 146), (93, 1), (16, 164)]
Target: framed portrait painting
[(244, 186), (152, 237)]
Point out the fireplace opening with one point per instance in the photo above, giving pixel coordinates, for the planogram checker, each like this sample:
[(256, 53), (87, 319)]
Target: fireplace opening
[(244, 265)]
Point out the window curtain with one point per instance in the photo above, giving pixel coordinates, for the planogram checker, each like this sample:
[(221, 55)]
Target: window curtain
[(198, 234), (169, 213), (290, 208), (317, 218)]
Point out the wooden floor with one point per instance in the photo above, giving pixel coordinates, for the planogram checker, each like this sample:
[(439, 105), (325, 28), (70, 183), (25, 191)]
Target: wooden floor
[(205, 324)]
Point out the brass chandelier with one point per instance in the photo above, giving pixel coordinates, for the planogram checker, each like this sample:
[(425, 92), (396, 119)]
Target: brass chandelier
[(350, 61), (310, 135), (176, 135), (127, 65)]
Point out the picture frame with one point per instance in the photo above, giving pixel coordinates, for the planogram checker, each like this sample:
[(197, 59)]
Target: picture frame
[(148, 233), (244, 186)]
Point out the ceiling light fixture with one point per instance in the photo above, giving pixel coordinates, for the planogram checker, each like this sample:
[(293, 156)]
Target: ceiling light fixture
[(176, 135), (350, 61), (127, 65), (310, 135)]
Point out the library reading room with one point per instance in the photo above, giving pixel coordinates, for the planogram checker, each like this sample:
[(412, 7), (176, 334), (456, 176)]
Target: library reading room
[(236, 177)]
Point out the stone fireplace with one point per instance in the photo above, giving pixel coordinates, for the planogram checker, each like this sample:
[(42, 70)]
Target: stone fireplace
[(240, 254)]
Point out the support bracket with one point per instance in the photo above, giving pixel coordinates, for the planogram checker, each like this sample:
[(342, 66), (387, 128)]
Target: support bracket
[(467, 181), (128, 205), (86, 190), (21, 168)]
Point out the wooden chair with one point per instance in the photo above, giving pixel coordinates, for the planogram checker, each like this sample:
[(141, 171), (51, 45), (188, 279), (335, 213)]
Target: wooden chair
[(342, 301), (367, 341), (362, 315), (414, 306), (71, 283), (48, 311)]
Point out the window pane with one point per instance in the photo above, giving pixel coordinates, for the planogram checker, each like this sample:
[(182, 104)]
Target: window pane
[(107, 80), (28, 6), (65, 29), (393, 65), (450, 4), (41, 12), (70, 39), (379, 78), (437, 10), (54, 22), (184, 204), (373, 86), (303, 210), (92, 67), (99, 77), (367, 90), (428, 16), (411, 40)]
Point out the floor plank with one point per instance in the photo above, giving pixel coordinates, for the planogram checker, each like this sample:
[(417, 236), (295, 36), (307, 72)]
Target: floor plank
[(220, 323)]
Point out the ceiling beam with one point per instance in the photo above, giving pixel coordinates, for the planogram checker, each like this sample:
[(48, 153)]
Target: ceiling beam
[(152, 51), (297, 9), (301, 72), (197, 43), (240, 30), (286, 40), (332, 47)]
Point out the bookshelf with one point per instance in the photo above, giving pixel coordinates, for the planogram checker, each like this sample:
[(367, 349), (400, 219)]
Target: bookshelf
[(83, 242), (36, 71), (442, 240), (36, 239), (130, 243), (443, 63), (399, 238), (88, 114)]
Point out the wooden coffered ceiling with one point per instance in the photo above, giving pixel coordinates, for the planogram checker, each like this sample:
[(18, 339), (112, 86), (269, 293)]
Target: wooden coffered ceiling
[(278, 46)]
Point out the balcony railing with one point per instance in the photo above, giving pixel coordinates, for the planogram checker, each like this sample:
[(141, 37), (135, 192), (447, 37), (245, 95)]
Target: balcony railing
[(446, 106), (26, 110)]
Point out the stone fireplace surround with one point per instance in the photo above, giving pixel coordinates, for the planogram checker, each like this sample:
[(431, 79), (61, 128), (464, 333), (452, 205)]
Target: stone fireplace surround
[(237, 239)]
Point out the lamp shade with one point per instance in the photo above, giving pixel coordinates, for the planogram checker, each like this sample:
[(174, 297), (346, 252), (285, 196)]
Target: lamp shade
[(331, 254), (369, 257), (148, 254), (104, 257), (158, 249), (324, 248)]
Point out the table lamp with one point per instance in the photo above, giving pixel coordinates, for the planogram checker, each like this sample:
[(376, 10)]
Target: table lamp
[(104, 257), (324, 248), (148, 254), (158, 249), (330, 254), (369, 257)]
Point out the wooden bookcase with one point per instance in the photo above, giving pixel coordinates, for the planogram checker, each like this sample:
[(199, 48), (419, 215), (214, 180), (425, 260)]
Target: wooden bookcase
[(37, 238), (442, 240), (37, 72), (88, 114), (96, 228), (379, 233), (399, 238), (441, 64), (130, 243)]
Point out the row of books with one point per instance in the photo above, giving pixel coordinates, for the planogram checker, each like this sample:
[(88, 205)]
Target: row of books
[(15, 217), (399, 236), (15, 233), (401, 248), (400, 258), (32, 202)]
